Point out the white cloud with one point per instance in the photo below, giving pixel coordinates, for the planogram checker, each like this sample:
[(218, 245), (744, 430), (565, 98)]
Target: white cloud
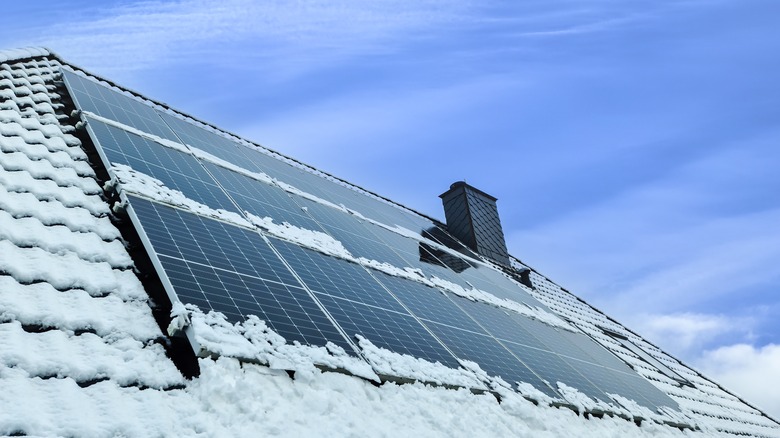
[(685, 334), (679, 332), (748, 371)]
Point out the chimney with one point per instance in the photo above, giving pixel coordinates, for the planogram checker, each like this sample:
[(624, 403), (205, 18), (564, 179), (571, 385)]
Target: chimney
[(472, 217)]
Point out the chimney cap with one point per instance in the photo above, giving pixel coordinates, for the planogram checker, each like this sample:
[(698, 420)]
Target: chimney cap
[(458, 184)]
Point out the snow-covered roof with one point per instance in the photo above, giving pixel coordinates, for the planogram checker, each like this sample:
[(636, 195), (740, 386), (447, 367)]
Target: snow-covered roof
[(96, 342)]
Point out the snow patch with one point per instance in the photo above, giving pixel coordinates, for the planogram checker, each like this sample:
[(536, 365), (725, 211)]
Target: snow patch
[(86, 357), (43, 169), (27, 52), (53, 212), (152, 188), (57, 239), (48, 190), (253, 340), (386, 362), (68, 271), (40, 304), (317, 240)]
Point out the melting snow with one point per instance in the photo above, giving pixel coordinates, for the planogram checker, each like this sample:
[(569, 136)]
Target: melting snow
[(402, 365), (253, 340)]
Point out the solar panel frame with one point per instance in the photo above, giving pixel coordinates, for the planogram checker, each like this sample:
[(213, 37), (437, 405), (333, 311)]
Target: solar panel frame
[(89, 95), (177, 170), (360, 304), (491, 356), (204, 139), (309, 319), (261, 199)]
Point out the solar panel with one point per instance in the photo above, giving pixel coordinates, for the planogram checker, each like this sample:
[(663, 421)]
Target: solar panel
[(491, 356), (500, 323), (314, 298), (600, 355), (112, 104), (361, 305), (205, 140), (415, 254), (459, 332), (551, 368), (254, 160), (232, 270), (496, 283), (175, 169), (261, 199), (427, 303), (536, 355), (351, 232), (668, 372)]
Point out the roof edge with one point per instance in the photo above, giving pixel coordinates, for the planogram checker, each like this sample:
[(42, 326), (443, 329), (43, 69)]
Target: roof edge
[(24, 53)]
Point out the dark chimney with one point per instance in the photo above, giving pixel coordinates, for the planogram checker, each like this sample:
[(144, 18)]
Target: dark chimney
[(472, 217)]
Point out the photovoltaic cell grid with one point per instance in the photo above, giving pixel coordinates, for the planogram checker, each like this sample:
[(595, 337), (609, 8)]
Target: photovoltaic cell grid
[(108, 103), (252, 159), (205, 140), (261, 199), (233, 270), (361, 305), (175, 169)]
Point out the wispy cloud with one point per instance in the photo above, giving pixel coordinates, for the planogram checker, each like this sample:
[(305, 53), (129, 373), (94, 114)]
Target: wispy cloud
[(280, 34), (149, 33), (584, 28), (701, 237)]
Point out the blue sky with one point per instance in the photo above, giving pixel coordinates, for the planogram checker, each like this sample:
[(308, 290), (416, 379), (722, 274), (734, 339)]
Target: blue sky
[(633, 145)]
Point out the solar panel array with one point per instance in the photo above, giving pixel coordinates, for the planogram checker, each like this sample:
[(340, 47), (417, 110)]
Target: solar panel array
[(313, 298)]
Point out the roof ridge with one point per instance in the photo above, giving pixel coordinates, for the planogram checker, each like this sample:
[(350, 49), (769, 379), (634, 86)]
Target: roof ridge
[(23, 53)]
